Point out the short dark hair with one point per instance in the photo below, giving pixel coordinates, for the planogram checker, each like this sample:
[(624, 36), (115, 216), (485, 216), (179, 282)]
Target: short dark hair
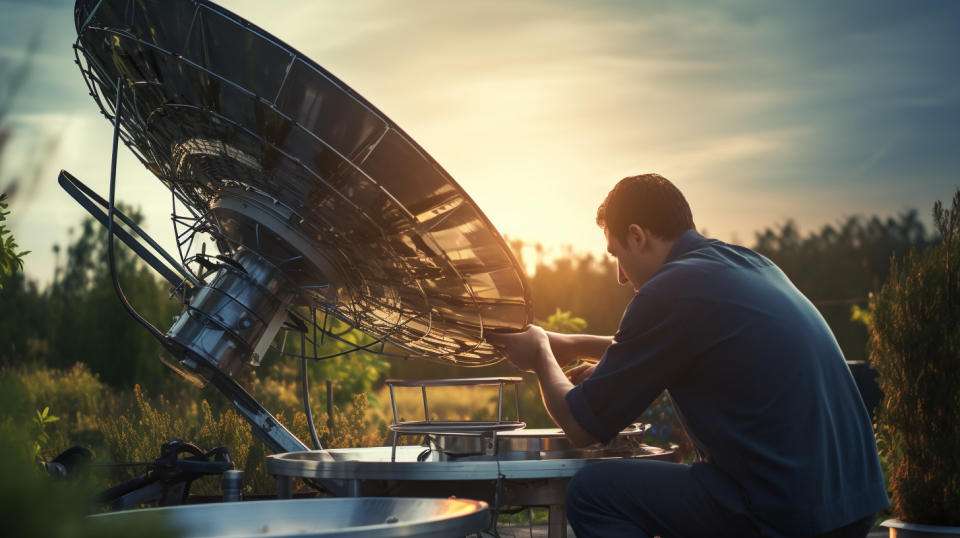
[(648, 200)]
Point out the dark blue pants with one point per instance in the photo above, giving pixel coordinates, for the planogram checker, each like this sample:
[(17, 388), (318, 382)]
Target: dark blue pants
[(645, 498)]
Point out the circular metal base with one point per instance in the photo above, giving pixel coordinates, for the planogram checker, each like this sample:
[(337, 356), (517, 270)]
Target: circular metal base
[(373, 463), (370, 517), (370, 471)]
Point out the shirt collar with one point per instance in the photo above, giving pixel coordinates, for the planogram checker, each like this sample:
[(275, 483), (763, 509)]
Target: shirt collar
[(688, 241)]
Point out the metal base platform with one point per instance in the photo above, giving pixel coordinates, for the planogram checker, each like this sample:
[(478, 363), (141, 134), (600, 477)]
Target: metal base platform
[(366, 517), (502, 483)]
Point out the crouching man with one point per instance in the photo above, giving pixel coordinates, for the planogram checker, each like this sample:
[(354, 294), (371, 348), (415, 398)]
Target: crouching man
[(785, 444)]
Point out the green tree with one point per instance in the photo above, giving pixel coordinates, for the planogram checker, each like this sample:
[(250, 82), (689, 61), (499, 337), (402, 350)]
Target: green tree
[(12, 78), (86, 321), (11, 258)]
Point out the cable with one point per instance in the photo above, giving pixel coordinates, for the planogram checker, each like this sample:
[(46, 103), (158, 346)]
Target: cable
[(305, 384), (110, 219)]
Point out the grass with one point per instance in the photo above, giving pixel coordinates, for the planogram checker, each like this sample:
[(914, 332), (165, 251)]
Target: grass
[(131, 426)]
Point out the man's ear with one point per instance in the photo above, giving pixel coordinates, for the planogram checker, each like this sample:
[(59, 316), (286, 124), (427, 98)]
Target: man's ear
[(637, 235)]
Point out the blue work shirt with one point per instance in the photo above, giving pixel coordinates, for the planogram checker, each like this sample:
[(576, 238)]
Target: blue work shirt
[(758, 380)]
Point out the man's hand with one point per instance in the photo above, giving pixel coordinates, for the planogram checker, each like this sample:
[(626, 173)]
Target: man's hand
[(530, 351), (523, 349), (577, 374)]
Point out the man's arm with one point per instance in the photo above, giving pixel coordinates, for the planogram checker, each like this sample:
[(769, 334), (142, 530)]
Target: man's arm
[(568, 348), (531, 351), (554, 387)]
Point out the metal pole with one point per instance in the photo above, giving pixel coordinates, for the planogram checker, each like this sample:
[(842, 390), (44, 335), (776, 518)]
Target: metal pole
[(330, 407), (393, 403), (500, 403), (284, 487), (426, 409), (557, 521), (516, 398)]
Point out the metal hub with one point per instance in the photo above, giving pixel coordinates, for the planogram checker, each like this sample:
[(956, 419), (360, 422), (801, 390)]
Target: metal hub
[(277, 232), (232, 320)]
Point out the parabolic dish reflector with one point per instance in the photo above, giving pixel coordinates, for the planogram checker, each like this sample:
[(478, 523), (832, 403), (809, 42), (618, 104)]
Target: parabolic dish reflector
[(281, 155)]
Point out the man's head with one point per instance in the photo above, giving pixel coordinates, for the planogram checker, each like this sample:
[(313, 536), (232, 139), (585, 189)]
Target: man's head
[(641, 217)]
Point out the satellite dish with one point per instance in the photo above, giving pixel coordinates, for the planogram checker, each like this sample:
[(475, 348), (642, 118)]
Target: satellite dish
[(316, 200)]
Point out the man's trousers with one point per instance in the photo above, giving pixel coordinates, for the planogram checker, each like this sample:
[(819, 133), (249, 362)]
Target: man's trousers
[(646, 498)]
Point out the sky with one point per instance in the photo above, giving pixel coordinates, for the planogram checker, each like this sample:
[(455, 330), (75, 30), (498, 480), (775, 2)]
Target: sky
[(758, 111)]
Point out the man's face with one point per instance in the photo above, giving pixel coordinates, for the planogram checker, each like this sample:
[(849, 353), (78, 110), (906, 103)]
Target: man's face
[(625, 259), (636, 263)]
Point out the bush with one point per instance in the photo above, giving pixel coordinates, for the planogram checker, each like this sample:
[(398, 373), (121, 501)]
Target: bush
[(11, 258), (915, 348), (32, 503), (131, 426)]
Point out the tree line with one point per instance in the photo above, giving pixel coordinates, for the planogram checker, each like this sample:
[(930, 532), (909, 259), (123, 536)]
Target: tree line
[(77, 317)]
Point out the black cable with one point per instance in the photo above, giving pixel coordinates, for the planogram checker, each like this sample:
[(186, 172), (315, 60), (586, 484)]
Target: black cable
[(89, 200), (110, 219)]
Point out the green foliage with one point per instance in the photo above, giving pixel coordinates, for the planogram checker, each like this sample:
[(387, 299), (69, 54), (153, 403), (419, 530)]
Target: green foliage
[(564, 322), (23, 337), (40, 421), (915, 348), (11, 259), (78, 318), (105, 337), (33, 503), (862, 316), (131, 426), (76, 394), (137, 435)]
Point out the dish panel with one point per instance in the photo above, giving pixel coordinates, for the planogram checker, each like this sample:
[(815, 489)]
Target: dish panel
[(213, 104)]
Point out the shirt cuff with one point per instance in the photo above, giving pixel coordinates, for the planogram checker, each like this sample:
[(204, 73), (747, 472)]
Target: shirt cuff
[(583, 414)]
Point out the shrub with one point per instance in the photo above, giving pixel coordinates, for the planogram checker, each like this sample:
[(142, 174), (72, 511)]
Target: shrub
[(131, 426), (137, 435), (33, 503), (75, 395), (915, 348), (11, 258)]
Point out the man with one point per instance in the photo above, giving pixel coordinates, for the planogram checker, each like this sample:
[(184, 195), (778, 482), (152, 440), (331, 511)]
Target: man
[(785, 443)]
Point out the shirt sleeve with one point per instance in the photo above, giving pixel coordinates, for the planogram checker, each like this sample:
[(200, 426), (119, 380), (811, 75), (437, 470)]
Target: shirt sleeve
[(649, 351)]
